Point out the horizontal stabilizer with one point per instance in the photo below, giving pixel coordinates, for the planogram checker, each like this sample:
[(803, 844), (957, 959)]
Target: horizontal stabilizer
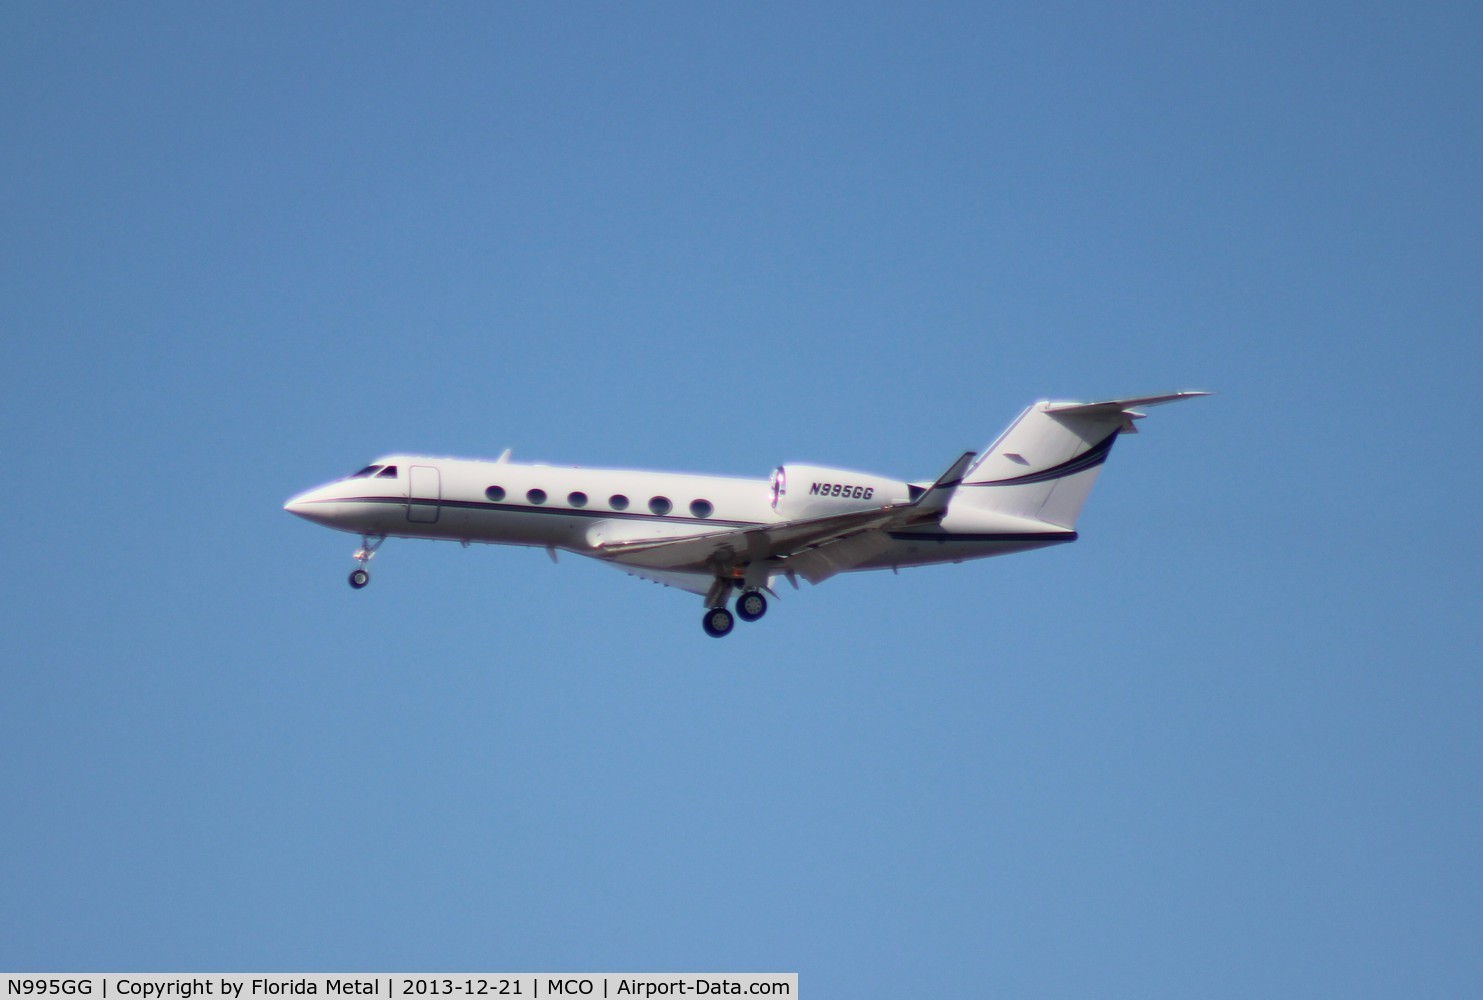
[(1111, 406)]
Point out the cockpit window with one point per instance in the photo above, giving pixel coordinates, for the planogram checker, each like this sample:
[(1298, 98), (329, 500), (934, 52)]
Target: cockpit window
[(387, 473), (365, 473)]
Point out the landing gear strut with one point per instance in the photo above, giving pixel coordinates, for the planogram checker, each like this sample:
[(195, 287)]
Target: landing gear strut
[(360, 576)]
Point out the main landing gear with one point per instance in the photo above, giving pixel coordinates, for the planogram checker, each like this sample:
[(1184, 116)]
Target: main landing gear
[(717, 622), (750, 606), (360, 576)]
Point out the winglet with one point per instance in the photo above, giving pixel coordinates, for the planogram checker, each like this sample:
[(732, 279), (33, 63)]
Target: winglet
[(934, 501)]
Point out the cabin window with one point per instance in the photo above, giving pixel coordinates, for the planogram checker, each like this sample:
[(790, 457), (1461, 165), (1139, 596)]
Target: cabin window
[(660, 505), (536, 496), (701, 508), (495, 494), (365, 473), (387, 473), (577, 499), (618, 501)]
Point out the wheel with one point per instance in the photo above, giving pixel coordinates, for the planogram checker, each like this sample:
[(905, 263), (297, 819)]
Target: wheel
[(717, 622), (751, 606), (359, 578)]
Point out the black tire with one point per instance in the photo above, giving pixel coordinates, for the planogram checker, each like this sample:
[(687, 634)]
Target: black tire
[(751, 606), (359, 578), (717, 622)]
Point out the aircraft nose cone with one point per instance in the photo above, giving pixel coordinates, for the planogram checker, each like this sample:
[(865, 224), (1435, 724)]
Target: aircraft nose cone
[(321, 505), (301, 505)]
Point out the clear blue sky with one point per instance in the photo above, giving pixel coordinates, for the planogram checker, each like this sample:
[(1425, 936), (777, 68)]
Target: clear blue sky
[(1228, 744)]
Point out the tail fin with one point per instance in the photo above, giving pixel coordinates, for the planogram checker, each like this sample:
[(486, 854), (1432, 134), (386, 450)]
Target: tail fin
[(1044, 465)]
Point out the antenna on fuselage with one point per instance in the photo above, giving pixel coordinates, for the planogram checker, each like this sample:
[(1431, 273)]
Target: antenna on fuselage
[(504, 456)]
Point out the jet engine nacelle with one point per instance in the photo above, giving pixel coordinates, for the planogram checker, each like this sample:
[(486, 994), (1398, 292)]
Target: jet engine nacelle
[(800, 491)]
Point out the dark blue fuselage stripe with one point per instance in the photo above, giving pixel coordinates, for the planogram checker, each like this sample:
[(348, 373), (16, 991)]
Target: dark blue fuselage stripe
[(900, 536), (1089, 459), (1028, 536)]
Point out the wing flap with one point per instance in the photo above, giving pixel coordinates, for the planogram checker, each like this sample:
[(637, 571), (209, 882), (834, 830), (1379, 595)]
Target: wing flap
[(820, 562)]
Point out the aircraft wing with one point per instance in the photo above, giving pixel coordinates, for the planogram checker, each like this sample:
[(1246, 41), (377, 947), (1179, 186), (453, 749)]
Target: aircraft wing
[(717, 553), (718, 550)]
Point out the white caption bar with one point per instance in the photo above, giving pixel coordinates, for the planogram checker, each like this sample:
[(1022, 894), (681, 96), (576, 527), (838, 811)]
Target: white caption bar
[(393, 986)]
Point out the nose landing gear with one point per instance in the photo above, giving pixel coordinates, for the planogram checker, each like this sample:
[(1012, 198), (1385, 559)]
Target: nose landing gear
[(360, 576)]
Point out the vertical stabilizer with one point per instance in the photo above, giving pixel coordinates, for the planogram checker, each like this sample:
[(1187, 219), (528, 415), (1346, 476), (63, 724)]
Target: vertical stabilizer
[(1044, 465)]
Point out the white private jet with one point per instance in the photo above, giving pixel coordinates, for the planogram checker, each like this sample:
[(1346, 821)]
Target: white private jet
[(722, 537)]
